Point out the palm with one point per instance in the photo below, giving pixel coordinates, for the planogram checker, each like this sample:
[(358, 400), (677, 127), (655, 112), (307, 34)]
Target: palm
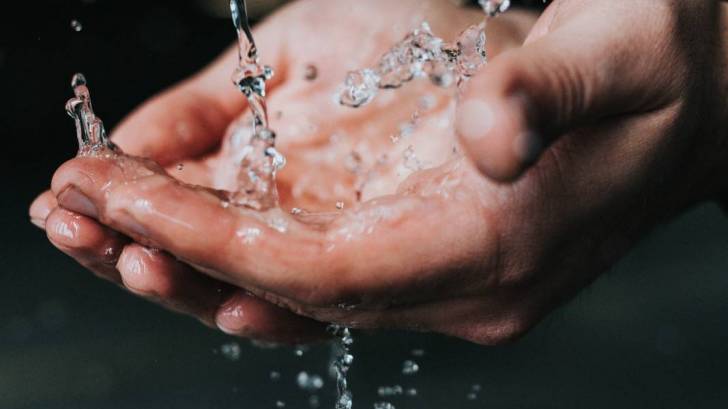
[(338, 154)]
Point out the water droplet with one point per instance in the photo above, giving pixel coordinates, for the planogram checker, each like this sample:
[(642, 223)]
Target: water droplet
[(340, 205), (299, 350), (296, 211), (279, 224), (418, 352), (308, 382), (472, 396), (180, 166), (411, 392), (383, 405), (231, 351), (248, 234), (411, 161), (410, 367), (471, 45), (360, 87), (280, 404), (494, 7), (274, 376), (311, 72), (314, 401), (76, 25), (389, 391), (353, 162)]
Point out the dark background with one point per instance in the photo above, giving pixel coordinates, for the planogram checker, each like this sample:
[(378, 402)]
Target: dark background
[(651, 333)]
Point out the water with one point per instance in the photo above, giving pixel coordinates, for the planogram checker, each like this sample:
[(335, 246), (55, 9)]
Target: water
[(389, 391), (309, 383), (231, 351), (90, 130), (410, 367), (422, 54), (341, 365), (255, 151), (493, 8), (76, 25)]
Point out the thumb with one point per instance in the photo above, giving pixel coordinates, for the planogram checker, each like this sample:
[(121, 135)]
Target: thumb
[(529, 96)]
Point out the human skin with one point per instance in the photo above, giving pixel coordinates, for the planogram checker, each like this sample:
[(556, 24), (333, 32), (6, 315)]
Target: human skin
[(609, 120)]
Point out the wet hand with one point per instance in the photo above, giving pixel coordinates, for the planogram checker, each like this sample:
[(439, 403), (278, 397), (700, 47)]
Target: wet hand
[(179, 128)]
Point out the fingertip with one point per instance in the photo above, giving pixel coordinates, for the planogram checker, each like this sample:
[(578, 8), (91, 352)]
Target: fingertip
[(245, 315), (80, 172), (495, 135), (63, 229), (140, 271), (41, 208)]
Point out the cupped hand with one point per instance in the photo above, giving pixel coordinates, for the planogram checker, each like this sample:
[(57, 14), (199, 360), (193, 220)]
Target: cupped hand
[(182, 130), (596, 114)]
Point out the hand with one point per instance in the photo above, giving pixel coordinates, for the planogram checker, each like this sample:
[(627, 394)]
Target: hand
[(184, 123)]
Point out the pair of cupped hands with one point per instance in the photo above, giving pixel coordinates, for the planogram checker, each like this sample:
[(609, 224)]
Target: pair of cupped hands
[(592, 123)]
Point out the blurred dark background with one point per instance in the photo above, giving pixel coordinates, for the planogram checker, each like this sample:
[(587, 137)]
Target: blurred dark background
[(651, 333)]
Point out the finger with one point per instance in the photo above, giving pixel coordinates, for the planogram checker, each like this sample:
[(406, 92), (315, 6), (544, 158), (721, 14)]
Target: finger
[(159, 277), (276, 253), (155, 275), (246, 315), (574, 75), (41, 208), (190, 118), (94, 246)]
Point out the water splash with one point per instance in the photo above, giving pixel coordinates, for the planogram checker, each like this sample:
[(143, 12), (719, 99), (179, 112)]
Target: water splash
[(89, 128), (258, 158), (421, 54)]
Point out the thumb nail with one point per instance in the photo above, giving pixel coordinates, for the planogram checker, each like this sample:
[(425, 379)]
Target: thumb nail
[(72, 199)]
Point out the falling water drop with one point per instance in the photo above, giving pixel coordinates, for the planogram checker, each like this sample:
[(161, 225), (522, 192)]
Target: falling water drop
[(494, 7), (410, 367), (310, 383), (76, 25), (231, 351)]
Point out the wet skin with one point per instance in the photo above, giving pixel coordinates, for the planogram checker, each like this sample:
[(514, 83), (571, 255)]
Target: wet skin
[(609, 120)]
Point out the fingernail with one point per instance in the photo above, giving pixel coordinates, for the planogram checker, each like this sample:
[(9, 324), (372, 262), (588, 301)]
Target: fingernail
[(40, 209), (230, 319), (527, 147), (73, 199), (474, 119), (40, 223)]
